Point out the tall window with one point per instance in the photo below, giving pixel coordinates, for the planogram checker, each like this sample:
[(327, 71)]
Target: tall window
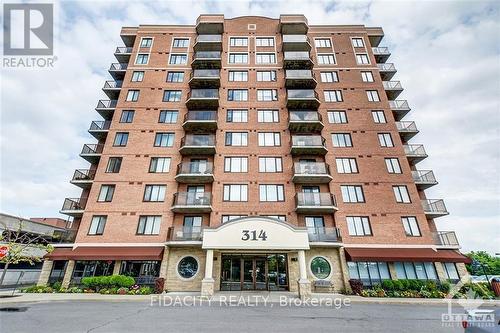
[(237, 95), (146, 42), (326, 59), (114, 165), (238, 58), (127, 116), (322, 42), (264, 41), (238, 41), (159, 164), (357, 42), (372, 96), (137, 76), (227, 218), (239, 76), (121, 139), (265, 58), (149, 225), (268, 116), (236, 139), (278, 217), (379, 117), (168, 116), (401, 193), (235, 164), (237, 116), (333, 95), (362, 59), (369, 273), (272, 192), (154, 193), (270, 164), (269, 139), (97, 224), (266, 95), (367, 76), (181, 42), (164, 140), (411, 226), (346, 165), (235, 192), (342, 140), (142, 59), (337, 117), (352, 193), (178, 59), (385, 140), (266, 76), (415, 270), (329, 77), (358, 226), (132, 96), (392, 165), (175, 77), (450, 270), (172, 95), (106, 193)]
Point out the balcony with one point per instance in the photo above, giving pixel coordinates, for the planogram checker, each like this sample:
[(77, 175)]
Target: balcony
[(304, 121), (311, 173), (399, 108), (296, 43), (297, 60), (198, 144), (375, 35), (210, 24), (315, 203), (195, 173), (187, 202), (208, 43), (302, 99), (322, 234), (99, 129), (446, 239), (112, 89), (83, 178), (117, 70), (386, 71), (308, 145), (300, 78), (92, 152), (207, 60), (200, 121), (122, 54), (293, 24), (406, 129), (424, 178), (106, 108), (73, 206), (434, 208), (205, 78), (415, 153), (128, 35), (185, 234), (392, 89), (381, 54), (203, 99)]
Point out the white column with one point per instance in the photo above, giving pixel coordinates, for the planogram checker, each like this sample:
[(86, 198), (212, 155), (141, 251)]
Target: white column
[(208, 282), (303, 282), (302, 265), (209, 263)]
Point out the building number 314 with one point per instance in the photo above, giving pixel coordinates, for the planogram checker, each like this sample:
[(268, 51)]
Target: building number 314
[(252, 235)]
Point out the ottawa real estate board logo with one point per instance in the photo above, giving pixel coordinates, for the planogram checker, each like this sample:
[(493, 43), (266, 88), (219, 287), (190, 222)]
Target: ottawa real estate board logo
[(28, 35)]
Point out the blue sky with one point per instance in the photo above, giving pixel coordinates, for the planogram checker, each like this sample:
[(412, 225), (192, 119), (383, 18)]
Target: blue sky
[(447, 56)]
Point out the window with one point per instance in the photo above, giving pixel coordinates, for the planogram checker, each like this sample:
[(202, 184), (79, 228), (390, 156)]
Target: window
[(132, 95), (227, 218), (164, 140), (352, 193), (392, 165), (97, 224), (127, 116), (266, 76), (379, 117), (358, 226), (329, 77), (235, 192), (401, 194), (178, 59), (121, 139), (159, 164), (346, 165), (239, 76), (415, 270), (322, 42), (272, 192), (137, 76), (367, 76), (370, 273), (181, 42), (372, 96), (187, 267), (238, 58), (264, 41), (154, 193), (362, 59), (342, 140), (278, 217), (333, 95), (411, 226), (146, 42), (237, 116), (175, 77), (385, 140), (337, 117), (320, 268), (192, 225), (270, 164), (172, 95), (238, 41), (142, 59), (326, 59), (235, 164), (106, 193), (168, 116), (236, 139), (450, 269), (267, 95), (265, 58), (267, 116), (237, 95), (269, 139), (315, 224), (357, 42), (114, 165), (149, 225)]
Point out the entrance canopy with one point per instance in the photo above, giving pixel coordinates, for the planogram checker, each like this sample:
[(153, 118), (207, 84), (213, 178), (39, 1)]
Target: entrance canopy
[(107, 253), (404, 254), (256, 233)]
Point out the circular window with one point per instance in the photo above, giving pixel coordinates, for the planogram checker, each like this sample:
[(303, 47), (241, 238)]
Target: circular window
[(320, 267), (187, 267)]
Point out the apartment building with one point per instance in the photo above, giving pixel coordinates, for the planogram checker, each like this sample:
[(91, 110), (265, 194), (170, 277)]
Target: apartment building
[(255, 153)]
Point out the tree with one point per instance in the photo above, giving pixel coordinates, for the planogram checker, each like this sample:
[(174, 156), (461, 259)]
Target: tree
[(489, 264), (22, 246)]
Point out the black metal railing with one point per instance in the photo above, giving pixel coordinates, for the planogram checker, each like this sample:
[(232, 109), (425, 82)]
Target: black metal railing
[(74, 204), (198, 140), (195, 168), (200, 116), (192, 199), (100, 125), (315, 200), (84, 174), (324, 234), (311, 168)]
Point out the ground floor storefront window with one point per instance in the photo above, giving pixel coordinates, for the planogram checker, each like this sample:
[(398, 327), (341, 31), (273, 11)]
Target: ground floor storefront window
[(86, 268), (450, 269), (144, 272), (415, 270), (369, 273), (57, 273)]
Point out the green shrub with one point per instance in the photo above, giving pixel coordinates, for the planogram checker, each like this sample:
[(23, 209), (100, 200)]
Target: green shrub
[(444, 287), (388, 285), (145, 290), (98, 282), (34, 289), (397, 284), (56, 286)]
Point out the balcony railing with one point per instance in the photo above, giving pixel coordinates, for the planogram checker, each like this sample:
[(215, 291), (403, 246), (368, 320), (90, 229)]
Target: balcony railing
[(83, 175), (315, 202), (205, 78), (92, 148), (100, 125), (300, 78), (188, 202), (206, 55), (434, 207), (407, 129), (203, 98), (206, 60), (297, 60), (399, 108), (415, 153), (424, 178), (446, 238), (205, 74), (209, 38), (311, 168), (198, 144), (305, 116), (387, 71), (208, 43), (73, 206), (381, 54), (185, 233), (123, 50), (302, 99), (392, 89), (201, 116), (111, 84), (323, 234), (195, 168), (296, 43), (308, 144), (106, 108)]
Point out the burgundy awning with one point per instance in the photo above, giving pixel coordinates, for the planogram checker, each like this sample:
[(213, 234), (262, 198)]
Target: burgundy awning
[(404, 254), (107, 253)]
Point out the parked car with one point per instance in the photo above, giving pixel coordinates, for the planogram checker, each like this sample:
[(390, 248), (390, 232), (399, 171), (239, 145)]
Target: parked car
[(482, 321)]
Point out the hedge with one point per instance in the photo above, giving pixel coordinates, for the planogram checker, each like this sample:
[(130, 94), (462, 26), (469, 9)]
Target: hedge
[(111, 281)]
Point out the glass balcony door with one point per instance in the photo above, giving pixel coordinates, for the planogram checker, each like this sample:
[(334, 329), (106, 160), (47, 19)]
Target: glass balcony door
[(311, 195), (198, 166), (195, 193)]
